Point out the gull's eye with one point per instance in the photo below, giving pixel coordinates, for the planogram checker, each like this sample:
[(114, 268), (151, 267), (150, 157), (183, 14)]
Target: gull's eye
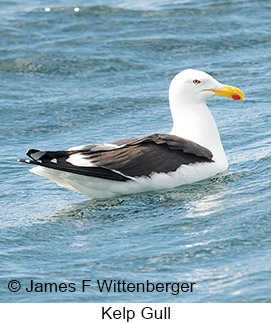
[(196, 82)]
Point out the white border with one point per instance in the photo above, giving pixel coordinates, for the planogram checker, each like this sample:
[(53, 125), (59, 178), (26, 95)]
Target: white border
[(86, 313)]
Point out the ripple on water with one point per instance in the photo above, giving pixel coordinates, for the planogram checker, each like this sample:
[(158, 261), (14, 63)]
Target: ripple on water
[(101, 74)]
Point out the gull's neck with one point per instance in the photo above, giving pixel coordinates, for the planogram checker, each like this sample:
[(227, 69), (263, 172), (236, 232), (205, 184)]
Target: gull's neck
[(197, 124)]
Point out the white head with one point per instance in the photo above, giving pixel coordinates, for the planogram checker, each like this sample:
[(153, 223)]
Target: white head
[(191, 87), (188, 93)]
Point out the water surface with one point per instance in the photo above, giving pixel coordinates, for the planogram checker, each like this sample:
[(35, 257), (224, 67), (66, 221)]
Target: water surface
[(100, 74)]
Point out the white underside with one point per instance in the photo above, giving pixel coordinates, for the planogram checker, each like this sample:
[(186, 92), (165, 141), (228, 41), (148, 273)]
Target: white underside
[(101, 188)]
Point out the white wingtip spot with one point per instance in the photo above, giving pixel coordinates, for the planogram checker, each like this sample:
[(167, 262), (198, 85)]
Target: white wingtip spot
[(37, 155), (77, 148), (79, 160)]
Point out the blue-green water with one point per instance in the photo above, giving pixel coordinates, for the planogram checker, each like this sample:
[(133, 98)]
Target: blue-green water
[(100, 74)]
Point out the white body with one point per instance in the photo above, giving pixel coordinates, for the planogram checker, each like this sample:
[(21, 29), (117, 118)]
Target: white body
[(191, 120)]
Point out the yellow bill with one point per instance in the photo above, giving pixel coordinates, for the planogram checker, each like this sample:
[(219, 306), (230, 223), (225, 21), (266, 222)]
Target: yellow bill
[(229, 91)]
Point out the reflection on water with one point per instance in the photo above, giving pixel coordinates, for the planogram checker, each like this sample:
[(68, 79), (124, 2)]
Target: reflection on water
[(199, 199), (210, 204), (102, 74)]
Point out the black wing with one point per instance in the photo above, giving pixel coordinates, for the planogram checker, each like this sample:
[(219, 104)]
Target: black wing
[(124, 159)]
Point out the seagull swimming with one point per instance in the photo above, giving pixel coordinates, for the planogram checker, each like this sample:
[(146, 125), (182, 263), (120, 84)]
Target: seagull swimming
[(191, 152)]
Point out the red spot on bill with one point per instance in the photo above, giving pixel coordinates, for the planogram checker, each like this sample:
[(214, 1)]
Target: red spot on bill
[(236, 97)]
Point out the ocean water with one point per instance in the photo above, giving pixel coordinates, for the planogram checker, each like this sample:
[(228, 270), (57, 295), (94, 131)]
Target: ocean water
[(102, 73)]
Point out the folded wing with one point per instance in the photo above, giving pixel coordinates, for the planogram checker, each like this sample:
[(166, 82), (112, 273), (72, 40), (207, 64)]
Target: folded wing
[(124, 160)]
